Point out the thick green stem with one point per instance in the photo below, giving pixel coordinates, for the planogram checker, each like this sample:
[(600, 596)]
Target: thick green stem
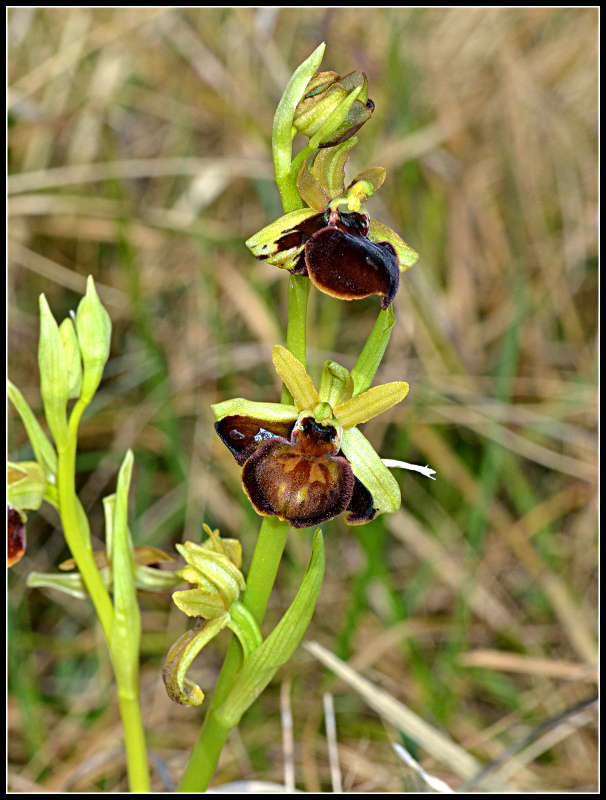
[(261, 577)]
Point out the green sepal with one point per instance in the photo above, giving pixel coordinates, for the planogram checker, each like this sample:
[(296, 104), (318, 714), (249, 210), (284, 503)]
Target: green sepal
[(324, 179), (43, 450), (381, 233), (125, 634), (260, 667), (310, 189), (371, 471), (265, 244), (270, 412), (336, 384), (373, 175), (315, 108), (94, 329), (182, 653), (296, 379), (54, 383), (73, 359), (229, 547), (25, 485), (367, 364), (370, 403)]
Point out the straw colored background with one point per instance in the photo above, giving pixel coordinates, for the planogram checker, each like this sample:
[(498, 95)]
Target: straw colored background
[(140, 153)]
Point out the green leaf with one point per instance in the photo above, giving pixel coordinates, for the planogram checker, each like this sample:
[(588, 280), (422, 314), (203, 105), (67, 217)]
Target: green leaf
[(368, 468), (54, 383), (367, 364), (281, 135), (297, 381), (370, 403), (94, 329), (43, 449), (126, 626), (260, 667)]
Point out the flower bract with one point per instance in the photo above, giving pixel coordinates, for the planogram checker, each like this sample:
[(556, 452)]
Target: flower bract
[(308, 462), (344, 252)]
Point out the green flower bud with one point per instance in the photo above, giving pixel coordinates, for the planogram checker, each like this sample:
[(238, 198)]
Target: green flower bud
[(94, 328), (72, 357), (324, 92), (54, 380)]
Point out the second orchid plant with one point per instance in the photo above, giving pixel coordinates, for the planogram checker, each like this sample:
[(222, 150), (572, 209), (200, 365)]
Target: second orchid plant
[(303, 460)]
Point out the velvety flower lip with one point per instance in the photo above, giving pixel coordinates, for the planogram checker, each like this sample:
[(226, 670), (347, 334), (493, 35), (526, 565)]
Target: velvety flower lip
[(344, 252), (308, 462)]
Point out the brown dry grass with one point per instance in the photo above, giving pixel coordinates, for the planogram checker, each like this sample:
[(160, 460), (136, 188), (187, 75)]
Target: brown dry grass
[(140, 154)]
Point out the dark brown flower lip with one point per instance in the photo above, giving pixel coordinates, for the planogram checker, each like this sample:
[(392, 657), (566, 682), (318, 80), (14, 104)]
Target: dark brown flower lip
[(282, 480), (311, 443), (361, 505), (352, 267)]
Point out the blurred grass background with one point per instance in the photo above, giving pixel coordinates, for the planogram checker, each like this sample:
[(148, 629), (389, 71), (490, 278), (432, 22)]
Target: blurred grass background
[(139, 152)]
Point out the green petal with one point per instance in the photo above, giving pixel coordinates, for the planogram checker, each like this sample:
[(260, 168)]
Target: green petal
[(278, 243), (297, 381), (381, 233), (336, 385), (268, 412), (371, 471), (370, 404)]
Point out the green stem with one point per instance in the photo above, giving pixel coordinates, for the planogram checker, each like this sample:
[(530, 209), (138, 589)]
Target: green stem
[(134, 740), (261, 577), (298, 293), (77, 536), (75, 523)]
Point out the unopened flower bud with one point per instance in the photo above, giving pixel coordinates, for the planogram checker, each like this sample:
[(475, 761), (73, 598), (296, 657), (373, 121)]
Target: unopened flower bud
[(325, 91)]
